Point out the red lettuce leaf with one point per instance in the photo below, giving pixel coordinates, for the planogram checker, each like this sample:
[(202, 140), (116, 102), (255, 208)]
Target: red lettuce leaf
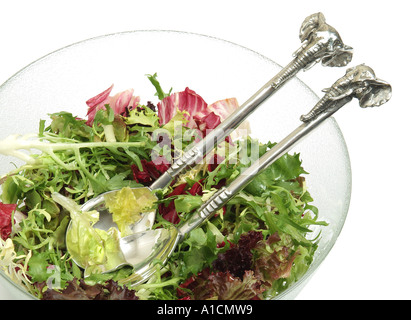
[(227, 287), (273, 264), (169, 212), (6, 211), (116, 292), (79, 290), (197, 188), (151, 171), (221, 286), (239, 258), (75, 290)]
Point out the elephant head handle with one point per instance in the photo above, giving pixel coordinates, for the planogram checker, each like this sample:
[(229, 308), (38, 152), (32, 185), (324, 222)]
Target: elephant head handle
[(358, 82), (320, 43)]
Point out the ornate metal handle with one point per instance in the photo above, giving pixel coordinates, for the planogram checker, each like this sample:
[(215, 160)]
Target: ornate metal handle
[(359, 82), (369, 90), (215, 203), (320, 42)]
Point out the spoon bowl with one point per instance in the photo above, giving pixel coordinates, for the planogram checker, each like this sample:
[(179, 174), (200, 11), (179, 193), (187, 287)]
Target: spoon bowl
[(147, 249), (106, 223), (106, 218)]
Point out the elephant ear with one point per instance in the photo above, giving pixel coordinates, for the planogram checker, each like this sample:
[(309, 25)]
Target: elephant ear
[(340, 57), (310, 25), (376, 93)]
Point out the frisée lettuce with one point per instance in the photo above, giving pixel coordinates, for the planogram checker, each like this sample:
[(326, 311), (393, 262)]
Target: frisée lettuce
[(255, 247), (127, 205)]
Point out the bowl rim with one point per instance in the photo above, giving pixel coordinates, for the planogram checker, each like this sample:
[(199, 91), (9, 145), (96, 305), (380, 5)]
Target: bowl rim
[(299, 284), (121, 33)]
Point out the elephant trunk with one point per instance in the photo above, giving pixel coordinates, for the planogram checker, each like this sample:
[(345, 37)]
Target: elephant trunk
[(321, 105), (307, 56), (330, 99)]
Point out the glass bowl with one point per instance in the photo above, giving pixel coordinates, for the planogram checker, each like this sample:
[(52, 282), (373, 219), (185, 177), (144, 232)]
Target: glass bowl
[(215, 69)]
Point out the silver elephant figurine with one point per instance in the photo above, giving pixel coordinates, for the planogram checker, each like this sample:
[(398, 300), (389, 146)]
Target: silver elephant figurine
[(359, 82), (323, 43)]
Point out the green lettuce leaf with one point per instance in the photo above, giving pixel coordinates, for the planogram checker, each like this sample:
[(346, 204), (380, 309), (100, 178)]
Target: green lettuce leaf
[(38, 264), (97, 250), (187, 203), (287, 168), (200, 250), (160, 93), (143, 116)]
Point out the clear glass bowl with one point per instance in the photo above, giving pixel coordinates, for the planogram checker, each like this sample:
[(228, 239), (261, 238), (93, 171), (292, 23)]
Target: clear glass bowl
[(215, 69)]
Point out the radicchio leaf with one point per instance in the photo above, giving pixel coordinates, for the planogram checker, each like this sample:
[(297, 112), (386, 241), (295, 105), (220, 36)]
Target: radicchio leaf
[(119, 103), (207, 123), (200, 116), (221, 108), (187, 100)]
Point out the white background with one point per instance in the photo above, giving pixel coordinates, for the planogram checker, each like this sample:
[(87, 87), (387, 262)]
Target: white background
[(371, 259)]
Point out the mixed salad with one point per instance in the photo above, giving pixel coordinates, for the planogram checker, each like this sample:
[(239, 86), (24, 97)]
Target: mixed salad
[(253, 248)]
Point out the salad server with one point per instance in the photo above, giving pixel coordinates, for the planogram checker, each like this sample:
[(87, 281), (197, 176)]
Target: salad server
[(143, 250), (320, 43)]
